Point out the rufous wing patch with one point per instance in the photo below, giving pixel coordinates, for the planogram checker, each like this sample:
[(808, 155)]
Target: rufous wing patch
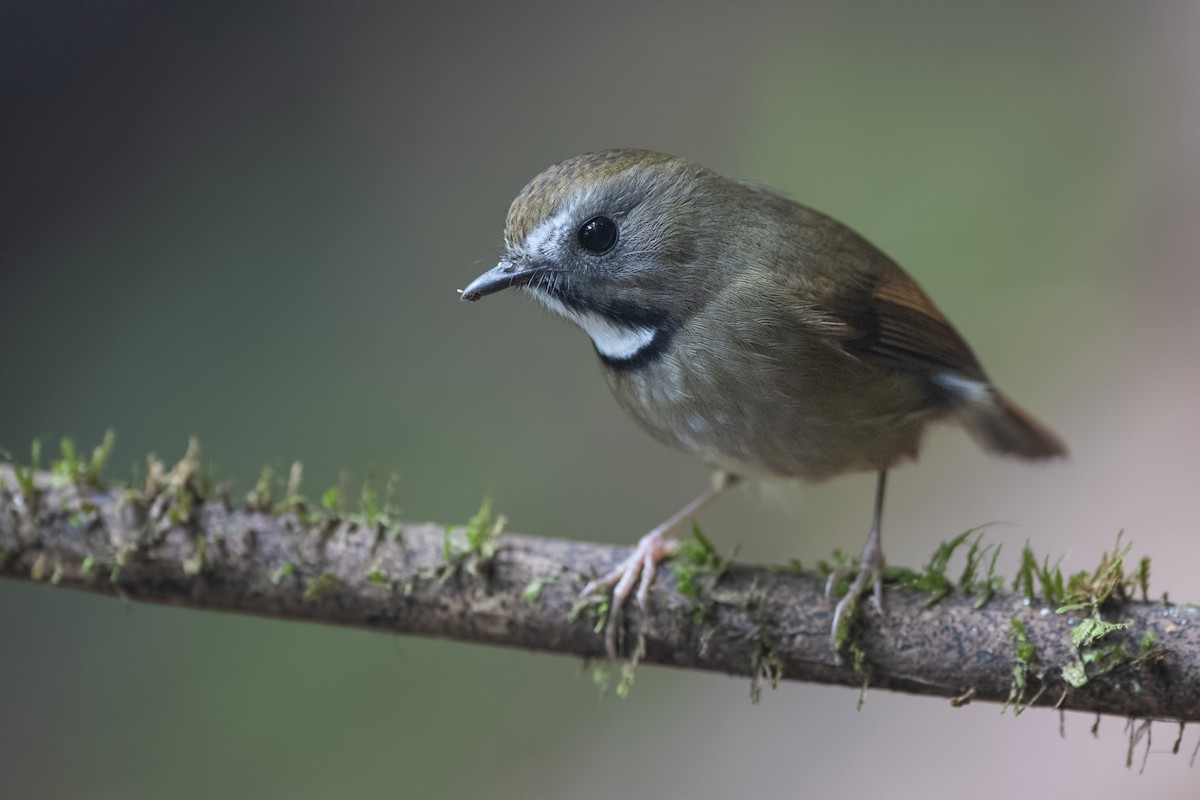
[(898, 326)]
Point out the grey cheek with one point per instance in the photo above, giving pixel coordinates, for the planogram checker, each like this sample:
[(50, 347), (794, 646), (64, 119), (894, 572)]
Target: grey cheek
[(698, 423)]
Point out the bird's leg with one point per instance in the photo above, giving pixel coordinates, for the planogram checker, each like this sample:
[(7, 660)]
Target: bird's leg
[(870, 569), (643, 561)]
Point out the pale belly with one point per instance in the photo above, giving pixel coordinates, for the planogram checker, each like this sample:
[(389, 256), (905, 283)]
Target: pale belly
[(779, 422)]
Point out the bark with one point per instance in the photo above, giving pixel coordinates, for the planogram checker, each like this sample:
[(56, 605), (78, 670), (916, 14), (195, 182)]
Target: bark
[(166, 545)]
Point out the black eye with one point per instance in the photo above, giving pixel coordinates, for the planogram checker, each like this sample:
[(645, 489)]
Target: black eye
[(598, 234)]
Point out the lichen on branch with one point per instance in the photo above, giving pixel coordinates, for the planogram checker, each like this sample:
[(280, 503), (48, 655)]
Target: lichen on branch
[(180, 539)]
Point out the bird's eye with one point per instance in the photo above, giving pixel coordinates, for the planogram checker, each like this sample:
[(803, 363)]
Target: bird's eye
[(598, 235)]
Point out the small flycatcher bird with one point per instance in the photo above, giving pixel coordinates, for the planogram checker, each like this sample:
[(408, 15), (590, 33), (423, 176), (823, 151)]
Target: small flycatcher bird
[(753, 332)]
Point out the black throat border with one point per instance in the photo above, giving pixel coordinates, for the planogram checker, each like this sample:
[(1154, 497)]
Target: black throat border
[(626, 315), (647, 355)]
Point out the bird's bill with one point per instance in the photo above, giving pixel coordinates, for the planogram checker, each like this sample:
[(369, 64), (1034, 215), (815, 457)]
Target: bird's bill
[(499, 277)]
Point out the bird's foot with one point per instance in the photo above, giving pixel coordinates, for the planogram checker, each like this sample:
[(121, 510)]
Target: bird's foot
[(870, 573), (650, 550)]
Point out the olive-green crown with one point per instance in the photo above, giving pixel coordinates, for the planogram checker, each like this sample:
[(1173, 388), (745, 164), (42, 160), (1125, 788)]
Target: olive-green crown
[(547, 192)]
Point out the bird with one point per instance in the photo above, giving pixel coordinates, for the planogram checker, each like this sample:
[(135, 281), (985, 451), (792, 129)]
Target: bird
[(759, 335)]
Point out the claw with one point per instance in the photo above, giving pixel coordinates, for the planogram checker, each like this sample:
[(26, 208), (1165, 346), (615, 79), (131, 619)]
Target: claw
[(842, 614), (835, 575), (643, 562), (870, 571)]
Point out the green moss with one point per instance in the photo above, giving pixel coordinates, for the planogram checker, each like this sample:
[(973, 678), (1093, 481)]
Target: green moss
[(171, 497), (1026, 668), (792, 567), (94, 476), (858, 662), (628, 668), (974, 580), (1091, 630), (25, 475), (294, 502), (316, 586), (1093, 656), (38, 571), (195, 564), (180, 511), (483, 531), (369, 506), (71, 469), (533, 590), (1110, 581), (766, 661), (603, 672), (376, 513), (1141, 577), (1034, 580), (481, 537), (122, 554), (85, 568), (932, 578), (698, 568), (333, 499), (68, 466), (260, 498), (1093, 593), (283, 571), (593, 608), (982, 586), (377, 576), (600, 671), (838, 562), (1083, 589), (1090, 594)]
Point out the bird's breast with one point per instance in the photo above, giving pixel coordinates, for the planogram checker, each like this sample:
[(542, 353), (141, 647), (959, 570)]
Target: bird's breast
[(794, 412)]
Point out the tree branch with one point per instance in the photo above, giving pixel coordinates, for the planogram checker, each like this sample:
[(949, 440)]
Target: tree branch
[(166, 545)]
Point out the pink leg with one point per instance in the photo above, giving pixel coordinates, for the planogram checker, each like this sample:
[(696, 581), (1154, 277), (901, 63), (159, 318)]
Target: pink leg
[(643, 561), (870, 569)]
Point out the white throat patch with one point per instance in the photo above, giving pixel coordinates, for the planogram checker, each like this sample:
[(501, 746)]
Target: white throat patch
[(613, 340), (618, 342)]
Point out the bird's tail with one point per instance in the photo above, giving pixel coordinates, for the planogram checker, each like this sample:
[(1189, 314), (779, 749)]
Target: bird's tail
[(1001, 426)]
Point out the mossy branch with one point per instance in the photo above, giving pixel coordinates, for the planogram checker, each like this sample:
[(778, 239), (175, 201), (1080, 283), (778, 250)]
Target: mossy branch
[(169, 544)]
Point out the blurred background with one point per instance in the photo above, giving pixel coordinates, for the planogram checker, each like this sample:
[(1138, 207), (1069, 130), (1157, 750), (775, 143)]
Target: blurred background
[(246, 222)]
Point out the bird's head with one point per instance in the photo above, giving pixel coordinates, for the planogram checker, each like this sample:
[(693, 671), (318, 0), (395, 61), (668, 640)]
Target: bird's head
[(615, 241)]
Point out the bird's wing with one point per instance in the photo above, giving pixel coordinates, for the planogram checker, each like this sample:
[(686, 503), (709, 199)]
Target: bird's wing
[(866, 305), (884, 318)]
